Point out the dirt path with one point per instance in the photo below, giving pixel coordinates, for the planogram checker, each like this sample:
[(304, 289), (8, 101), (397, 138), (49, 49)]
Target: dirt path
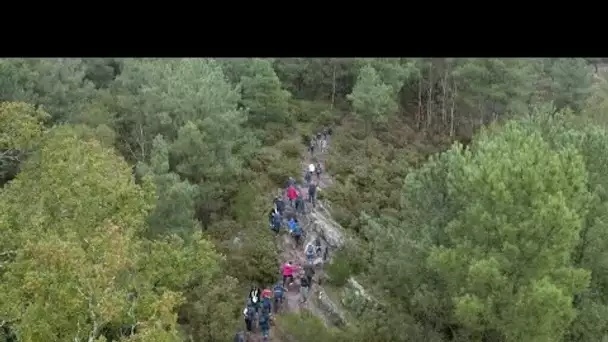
[(289, 252)]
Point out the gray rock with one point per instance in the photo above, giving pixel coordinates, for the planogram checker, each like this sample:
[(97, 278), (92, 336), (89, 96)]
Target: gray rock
[(328, 229), (331, 311)]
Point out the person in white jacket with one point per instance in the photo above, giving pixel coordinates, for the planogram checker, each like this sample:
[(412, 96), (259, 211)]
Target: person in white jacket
[(311, 168)]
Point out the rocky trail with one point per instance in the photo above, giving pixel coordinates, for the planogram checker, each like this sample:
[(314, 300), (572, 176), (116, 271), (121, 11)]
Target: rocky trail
[(315, 222)]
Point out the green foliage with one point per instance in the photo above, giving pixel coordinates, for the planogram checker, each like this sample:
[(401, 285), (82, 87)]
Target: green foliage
[(502, 238), (91, 268), (572, 81), (20, 131), (305, 327), (316, 113), (56, 84), (263, 96), (372, 99), (340, 269), (317, 78)]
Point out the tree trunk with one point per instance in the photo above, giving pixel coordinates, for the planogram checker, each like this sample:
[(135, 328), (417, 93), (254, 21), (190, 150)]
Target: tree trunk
[(333, 87), (419, 114), (453, 97), (429, 100), (444, 96)]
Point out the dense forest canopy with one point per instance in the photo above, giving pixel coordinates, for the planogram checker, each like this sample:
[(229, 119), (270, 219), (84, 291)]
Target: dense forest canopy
[(134, 192)]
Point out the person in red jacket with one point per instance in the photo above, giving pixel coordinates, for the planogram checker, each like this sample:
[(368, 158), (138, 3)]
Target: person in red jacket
[(288, 269), (292, 194)]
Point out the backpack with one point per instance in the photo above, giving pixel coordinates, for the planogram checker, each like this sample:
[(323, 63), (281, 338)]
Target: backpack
[(310, 250), (292, 225), (297, 231), (278, 291), (266, 304)]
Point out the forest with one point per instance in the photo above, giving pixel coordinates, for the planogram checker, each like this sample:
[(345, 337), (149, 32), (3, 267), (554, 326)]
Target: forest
[(473, 193)]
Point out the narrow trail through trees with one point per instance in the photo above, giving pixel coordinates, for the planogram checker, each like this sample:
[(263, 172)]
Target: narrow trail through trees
[(297, 255)]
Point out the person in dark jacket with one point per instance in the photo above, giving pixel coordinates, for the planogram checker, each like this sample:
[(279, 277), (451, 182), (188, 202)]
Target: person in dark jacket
[(249, 315), (276, 223), (308, 177), (318, 170), (300, 205), (264, 323), (291, 181), (312, 192), (279, 204), (304, 288), (279, 295), (309, 272), (271, 216), (318, 247), (311, 147), (255, 295)]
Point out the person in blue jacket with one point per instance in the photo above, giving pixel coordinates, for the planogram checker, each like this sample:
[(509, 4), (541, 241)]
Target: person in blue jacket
[(279, 295)]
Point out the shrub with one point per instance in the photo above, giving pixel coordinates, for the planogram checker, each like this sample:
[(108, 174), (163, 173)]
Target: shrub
[(339, 270)]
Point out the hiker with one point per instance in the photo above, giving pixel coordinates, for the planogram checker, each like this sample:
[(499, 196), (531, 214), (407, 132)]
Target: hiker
[(310, 254), (325, 131), (312, 192), (304, 288), (324, 145), (239, 337), (291, 181), (254, 296), (297, 234), (292, 224), (311, 168), (292, 194), (276, 222), (266, 302), (279, 205), (308, 177), (318, 137), (278, 292), (287, 271), (309, 272), (311, 148), (249, 315), (326, 253), (271, 214), (318, 170), (300, 204), (318, 248), (264, 322)]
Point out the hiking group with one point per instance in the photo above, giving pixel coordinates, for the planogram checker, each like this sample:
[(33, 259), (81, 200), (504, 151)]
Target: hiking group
[(262, 304)]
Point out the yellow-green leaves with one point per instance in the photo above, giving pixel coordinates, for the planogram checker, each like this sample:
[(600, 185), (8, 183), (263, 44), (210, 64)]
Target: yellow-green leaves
[(20, 125), (73, 218)]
